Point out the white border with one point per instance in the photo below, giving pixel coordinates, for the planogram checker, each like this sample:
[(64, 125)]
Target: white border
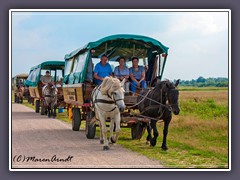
[(10, 89), (114, 10), (229, 90)]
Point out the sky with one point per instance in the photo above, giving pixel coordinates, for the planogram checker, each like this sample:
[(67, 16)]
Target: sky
[(197, 40)]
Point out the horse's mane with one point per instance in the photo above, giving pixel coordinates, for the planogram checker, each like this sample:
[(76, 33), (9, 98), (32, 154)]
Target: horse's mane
[(110, 85), (161, 84)]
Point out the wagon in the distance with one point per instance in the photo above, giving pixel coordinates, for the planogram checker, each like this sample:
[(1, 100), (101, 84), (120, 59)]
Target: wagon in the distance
[(56, 69)]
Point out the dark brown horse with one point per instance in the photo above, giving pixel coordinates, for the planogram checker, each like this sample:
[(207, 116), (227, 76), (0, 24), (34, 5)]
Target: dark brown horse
[(159, 103)]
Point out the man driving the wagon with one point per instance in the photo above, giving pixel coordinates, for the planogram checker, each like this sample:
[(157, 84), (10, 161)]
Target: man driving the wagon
[(46, 79)]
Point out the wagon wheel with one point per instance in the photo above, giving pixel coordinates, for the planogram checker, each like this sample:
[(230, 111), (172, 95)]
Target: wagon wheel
[(20, 100), (29, 100), (16, 99), (37, 106), (76, 120), (90, 127), (137, 130)]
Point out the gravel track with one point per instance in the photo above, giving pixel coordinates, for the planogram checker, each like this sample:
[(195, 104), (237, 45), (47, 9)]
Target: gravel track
[(42, 142)]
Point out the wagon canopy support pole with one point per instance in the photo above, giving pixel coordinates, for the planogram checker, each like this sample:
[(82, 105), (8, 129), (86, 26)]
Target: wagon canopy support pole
[(105, 49), (134, 49), (165, 59)]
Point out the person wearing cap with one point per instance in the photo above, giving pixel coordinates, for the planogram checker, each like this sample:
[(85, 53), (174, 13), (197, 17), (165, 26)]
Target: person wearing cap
[(102, 70), (122, 72), (137, 75)]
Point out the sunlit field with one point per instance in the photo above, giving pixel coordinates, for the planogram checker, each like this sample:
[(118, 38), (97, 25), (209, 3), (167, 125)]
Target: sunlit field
[(197, 138)]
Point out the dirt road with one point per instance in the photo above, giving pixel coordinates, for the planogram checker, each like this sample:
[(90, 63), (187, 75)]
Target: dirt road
[(41, 142)]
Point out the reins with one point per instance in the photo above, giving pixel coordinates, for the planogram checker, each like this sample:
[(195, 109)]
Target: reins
[(145, 97)]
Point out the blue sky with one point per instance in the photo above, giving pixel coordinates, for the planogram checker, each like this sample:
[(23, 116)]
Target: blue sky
[(197, 41)]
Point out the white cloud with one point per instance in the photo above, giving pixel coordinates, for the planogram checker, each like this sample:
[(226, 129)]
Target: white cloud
[(205, 23), (198, 45)]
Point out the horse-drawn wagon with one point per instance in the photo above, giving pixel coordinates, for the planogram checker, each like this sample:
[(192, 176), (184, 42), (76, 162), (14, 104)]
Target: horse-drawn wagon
[(56, 69), (79, 84), (20, 90)]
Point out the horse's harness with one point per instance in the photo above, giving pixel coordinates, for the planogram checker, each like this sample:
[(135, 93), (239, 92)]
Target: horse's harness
[(49, 95), (159, 104), (112, 101)]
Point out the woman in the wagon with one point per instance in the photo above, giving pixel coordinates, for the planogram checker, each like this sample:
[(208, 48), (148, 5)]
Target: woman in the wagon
[(137, 75), (122, 72)]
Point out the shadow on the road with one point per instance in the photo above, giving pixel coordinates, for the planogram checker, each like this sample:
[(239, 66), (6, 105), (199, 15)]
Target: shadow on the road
[(27, 115)]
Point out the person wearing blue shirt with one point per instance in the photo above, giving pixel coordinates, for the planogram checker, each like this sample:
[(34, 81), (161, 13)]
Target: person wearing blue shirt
[(137, 75), (122, 72), (102, 70)]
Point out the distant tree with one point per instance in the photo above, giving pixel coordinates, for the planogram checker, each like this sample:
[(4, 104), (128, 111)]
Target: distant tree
[(201, 80)]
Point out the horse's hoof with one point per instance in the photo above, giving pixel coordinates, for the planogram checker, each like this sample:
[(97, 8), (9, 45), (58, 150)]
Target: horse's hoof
[(153, 142), (101, 142), (105, 148), (147, 143), (112, 141), (164, 148)]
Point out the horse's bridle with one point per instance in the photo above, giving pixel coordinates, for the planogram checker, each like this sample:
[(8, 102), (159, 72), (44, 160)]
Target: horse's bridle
[(107, 101), (49, 95), (170, 107)]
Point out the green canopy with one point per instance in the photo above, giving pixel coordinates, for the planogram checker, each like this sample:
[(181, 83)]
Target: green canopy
[(123, 44), (50, 65)]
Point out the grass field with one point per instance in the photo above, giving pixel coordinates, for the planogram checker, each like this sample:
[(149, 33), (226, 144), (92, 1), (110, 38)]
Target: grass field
[(197, 138)]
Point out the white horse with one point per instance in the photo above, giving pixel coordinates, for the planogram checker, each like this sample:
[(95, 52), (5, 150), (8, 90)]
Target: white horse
[(108, 102)]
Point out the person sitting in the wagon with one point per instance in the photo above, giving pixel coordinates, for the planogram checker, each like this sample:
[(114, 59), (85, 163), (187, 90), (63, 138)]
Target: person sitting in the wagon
[(137, 75), (122, 72), (46, 79), (102, 70)]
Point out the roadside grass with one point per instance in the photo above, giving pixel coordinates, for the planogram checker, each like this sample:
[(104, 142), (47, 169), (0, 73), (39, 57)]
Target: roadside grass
[(197, 138)]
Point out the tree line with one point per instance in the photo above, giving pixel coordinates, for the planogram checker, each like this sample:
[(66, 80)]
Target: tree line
[(205, 82)]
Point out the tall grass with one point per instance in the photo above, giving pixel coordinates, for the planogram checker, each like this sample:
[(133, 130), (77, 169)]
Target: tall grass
[(204, 109), (197, 138)]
